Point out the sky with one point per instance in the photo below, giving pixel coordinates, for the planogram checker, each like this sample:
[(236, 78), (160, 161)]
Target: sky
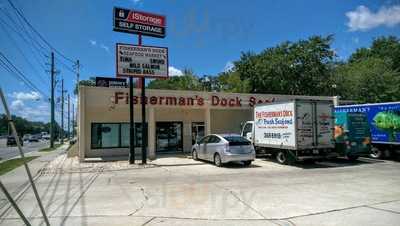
[(205, 36)]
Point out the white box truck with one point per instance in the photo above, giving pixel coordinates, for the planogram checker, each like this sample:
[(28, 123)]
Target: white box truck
[(294, 130)]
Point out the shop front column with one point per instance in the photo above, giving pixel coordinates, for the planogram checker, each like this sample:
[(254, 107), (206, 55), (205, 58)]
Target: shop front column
[(151, 134), (207, 121)]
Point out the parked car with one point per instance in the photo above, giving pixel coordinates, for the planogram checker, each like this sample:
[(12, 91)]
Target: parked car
[(46, 137), (12, 142), (224, 148), (26, 137), (34, 138)]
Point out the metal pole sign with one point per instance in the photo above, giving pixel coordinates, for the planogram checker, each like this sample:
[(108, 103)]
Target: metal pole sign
[(141, 61), (136, 22)]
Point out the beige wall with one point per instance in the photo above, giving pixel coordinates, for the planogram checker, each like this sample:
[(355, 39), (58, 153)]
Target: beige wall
[(99, 105)]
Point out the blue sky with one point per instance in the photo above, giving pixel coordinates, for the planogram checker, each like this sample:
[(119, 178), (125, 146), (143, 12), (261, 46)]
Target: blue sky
[(202, 35)]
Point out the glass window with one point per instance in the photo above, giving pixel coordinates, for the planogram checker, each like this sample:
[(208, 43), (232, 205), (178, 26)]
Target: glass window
[(125, 135), (213, 140), (237, 140), (247, 129), (114, 135), (105, 135)]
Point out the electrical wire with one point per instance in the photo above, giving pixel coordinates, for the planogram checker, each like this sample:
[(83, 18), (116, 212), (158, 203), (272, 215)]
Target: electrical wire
[(10, 67), (19, 12)]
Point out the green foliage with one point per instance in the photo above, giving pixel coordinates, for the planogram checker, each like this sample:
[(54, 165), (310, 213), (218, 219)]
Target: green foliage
[(369, 80), (385, 48), (90, 82), (231, 82), (187, 81), (302, 68), (25, 126), (11, 164)]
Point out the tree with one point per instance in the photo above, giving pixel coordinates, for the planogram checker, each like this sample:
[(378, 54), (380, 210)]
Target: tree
[(385, 48), (187, 81), (302, 68), (90, 82), (231, 82), (369, 80)]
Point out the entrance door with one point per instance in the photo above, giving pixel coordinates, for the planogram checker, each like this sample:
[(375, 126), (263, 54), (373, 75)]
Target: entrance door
[(197, 131), (169, 137)]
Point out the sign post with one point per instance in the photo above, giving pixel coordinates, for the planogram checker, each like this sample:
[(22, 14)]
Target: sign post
[(140, 61)]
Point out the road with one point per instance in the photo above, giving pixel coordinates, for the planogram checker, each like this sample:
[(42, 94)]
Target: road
[(10, 152), (180, 191)]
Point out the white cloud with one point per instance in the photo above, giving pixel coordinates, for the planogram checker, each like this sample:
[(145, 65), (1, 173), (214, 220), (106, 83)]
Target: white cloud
[(105, 47), (17, 105), (26, 96), (362, 19), (172, 71), (137, 1), (229, 66), (93, 42)]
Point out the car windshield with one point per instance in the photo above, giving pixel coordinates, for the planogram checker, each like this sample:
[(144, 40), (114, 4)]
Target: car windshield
[(237, 140)]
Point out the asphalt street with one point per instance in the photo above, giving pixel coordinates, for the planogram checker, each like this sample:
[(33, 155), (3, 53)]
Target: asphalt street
[(180, 191), (10, 152)]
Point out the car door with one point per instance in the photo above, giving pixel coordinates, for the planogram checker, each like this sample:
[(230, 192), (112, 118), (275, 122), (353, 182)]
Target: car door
[(212, 146), (202, 147)]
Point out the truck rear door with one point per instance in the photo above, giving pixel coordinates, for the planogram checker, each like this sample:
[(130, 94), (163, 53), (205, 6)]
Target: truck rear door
[(305, 131), (324, 125)]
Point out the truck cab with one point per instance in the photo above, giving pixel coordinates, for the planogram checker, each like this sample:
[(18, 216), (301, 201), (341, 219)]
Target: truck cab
[(352, 135), (247, 130)]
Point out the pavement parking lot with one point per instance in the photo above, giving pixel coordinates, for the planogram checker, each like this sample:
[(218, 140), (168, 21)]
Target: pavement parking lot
[(180, 191)]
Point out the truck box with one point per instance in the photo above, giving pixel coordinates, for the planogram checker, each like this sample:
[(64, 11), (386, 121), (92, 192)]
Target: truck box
[(384, 122), (352, 134), (295, 125), (305, 128)]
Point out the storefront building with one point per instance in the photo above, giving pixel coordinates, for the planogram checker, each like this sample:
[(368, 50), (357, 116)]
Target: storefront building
[(175, 119)]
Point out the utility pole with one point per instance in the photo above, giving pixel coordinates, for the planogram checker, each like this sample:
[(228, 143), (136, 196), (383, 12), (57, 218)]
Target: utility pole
[(62, 111), (68, 117), (73, 120), (77, 73), (52, 73)]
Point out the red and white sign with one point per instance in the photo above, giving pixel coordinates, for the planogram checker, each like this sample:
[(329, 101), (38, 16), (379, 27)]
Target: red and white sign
[(136, 22)]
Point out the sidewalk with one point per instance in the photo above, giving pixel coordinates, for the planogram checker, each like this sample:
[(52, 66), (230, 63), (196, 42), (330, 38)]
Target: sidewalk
[(17, 180)]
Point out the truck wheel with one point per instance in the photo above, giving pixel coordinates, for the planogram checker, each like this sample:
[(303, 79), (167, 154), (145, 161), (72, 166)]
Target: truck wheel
[(282, 157), (352, 157), (194, 155), (217, 160), (376, 153)]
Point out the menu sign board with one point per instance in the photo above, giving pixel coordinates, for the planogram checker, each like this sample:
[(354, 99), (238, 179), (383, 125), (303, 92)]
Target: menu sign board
[(141, 61)]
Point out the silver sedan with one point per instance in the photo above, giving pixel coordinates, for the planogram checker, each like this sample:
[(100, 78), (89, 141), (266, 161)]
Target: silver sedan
[(224, 148)]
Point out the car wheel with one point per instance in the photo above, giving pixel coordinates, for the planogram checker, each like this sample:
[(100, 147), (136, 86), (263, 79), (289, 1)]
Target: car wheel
[(281, 157), (194, 155), (247, 163), (217, 160), (376, 153)]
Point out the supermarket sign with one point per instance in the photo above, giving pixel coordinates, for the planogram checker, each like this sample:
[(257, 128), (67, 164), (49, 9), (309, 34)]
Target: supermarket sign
[(136, 22), (141, 61)]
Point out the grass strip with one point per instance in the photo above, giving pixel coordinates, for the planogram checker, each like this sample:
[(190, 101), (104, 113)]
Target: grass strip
[(11, 164)]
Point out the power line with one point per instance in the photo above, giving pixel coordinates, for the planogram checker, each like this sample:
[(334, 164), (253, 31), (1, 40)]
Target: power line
[(14, 70), (37, 33), (24, 56)]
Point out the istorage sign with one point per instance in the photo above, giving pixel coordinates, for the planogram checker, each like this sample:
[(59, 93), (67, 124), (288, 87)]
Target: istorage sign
[(135, 22), (142, 61)]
